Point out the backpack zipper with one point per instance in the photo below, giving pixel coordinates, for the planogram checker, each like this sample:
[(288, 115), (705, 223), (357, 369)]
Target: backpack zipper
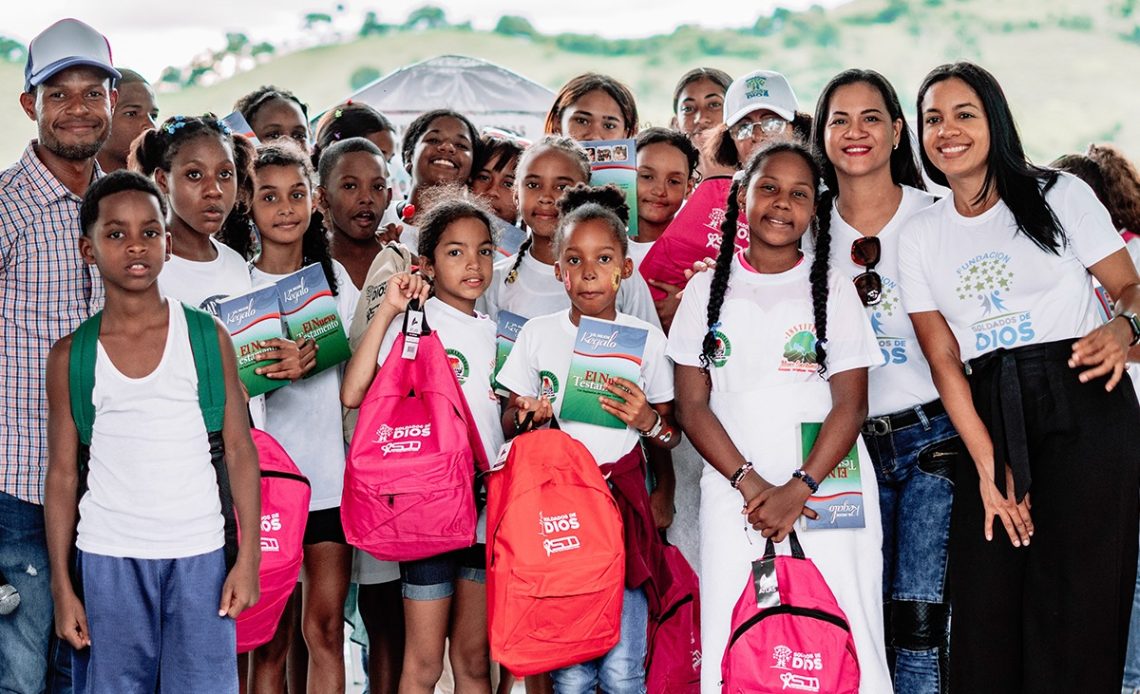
[(286, 476), (788, 609)]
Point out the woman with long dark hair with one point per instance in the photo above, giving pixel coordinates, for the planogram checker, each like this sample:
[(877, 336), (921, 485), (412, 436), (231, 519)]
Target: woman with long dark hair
[(873, 187), (996, 279)]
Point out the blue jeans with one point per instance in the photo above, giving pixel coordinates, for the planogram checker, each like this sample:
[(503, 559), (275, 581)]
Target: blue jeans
[(24, 634), (914, 467), (622, 670), (1132, 656)]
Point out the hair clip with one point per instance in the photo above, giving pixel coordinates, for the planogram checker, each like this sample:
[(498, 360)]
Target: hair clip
[(174, 124), (348, 103), (738, 176), (336, 135), (338, 113), (224, 126), (714, 326)]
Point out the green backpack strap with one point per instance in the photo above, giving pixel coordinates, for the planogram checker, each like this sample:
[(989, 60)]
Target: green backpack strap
[(208, 362), (81, 375)]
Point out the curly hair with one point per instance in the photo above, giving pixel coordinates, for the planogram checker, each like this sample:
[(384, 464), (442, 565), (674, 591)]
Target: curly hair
[(1121, 186), (820, 266), (583, 203)]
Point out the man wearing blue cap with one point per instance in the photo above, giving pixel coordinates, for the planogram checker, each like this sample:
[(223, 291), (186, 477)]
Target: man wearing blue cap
[(46, 291)]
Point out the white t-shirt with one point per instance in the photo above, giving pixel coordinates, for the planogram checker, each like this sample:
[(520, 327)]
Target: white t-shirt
[(537, 292), (904, 381), (152, 491), (410, 237), (767, 334), (470, 345), (305, 416), (204, 284), (994, 286), (539, 364), (638, 251)]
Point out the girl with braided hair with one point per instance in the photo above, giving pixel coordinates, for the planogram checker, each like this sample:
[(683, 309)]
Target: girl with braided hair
[(765, 342), (873, 188)]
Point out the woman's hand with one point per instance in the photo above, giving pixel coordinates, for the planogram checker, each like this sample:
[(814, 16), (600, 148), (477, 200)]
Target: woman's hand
[(631, 407), (1105, 350), (775, 510), (1014, 516)]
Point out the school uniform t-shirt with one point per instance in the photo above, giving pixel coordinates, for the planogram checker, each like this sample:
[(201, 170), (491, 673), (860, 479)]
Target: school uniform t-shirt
[(305, 416), (203, 285), (539, 364), (537, 292), (904, 380), (767, 334), (638, 250), (993, 285)]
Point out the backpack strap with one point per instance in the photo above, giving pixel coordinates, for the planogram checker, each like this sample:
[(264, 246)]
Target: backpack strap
[(208, 363), (81, 375), (797, 549)]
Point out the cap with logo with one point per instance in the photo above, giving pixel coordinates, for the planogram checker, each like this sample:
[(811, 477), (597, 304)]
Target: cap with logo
[(760, 89), (67, 43)]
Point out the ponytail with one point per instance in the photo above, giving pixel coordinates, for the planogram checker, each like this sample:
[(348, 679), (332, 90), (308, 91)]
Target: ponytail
[(820, 267), (721, 273)]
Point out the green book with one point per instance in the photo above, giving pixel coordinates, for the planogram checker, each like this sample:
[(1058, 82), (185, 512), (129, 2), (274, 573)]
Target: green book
[(249, 318), (615, 161), (310, 311), (839, 501), (506, 333), (603, 350)]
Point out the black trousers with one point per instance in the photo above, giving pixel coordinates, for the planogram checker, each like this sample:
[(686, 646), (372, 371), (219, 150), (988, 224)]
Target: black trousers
[(1053, 616)]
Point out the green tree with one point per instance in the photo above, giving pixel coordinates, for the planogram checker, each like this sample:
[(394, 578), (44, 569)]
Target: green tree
[(426, 17), (372, 26), (236, 42), (312, 19), (512, 25), (362, 76)]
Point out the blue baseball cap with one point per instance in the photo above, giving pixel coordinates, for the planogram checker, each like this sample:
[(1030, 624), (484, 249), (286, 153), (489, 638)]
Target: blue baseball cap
[(67, 43)]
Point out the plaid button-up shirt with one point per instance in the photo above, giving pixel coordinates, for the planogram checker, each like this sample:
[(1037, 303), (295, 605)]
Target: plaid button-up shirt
[(46, 291)]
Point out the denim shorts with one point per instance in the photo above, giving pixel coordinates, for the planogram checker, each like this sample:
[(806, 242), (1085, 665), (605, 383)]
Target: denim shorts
[(434, 578)]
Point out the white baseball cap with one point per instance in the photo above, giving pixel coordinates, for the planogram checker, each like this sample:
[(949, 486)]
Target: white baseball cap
[(67, 43), (760, 89)]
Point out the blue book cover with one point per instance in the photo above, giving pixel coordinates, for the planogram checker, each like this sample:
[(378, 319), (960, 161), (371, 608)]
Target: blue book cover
[(615, 161), (506, 334), (249, 318)]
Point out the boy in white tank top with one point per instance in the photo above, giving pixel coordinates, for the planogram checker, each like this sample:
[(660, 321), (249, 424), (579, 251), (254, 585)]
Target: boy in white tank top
[(153, 607)]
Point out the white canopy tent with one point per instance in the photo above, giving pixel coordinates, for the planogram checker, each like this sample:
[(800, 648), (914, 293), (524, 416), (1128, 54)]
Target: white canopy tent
[(490, 95)]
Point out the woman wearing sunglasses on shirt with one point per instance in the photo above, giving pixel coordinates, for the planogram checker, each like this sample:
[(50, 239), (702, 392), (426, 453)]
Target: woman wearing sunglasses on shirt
[(995, 277), (873, 188)]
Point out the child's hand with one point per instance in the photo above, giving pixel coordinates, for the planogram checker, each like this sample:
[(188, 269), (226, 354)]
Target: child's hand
[(661, 505), (632, 408), (71, 620), (404, 287), (241, 589), (774, 511), (288, 356), (700, 266), (389, 232), (541, 408), (307, 353)]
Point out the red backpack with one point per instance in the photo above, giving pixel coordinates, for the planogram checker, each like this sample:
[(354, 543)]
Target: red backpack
[(674, 654), (409, 477), (788, 633), (285, 495), (555, 556)]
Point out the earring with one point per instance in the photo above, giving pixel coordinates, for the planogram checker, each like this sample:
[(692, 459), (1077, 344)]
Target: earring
[(896, 146)]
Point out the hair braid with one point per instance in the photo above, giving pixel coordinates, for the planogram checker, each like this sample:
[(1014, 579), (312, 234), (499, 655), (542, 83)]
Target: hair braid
[(820, 267), (513, 273), (720, 274)]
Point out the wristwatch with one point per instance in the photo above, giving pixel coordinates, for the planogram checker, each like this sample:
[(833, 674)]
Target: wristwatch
[(1133, 323)]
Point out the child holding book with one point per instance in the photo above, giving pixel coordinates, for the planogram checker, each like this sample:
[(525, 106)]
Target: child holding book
[(764, 343), (666, 168), (153, 606), (525, 283), (304, 416), (590, 246), (444, 596)]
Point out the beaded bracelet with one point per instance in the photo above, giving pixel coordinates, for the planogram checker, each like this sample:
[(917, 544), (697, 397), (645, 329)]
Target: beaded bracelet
[(807, 479), (738, 476)]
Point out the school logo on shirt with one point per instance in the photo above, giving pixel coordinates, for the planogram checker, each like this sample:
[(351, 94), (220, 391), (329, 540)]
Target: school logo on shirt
[(799, 349), (210, 304), (458, 364), (548, 385), (723, 349), (985, 281), (893, 348)]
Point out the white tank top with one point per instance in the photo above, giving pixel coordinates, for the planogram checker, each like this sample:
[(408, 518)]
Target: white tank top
[(152, 492)]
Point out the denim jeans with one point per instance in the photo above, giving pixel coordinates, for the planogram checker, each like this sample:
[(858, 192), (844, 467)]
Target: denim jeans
[(24, 634), (914, 467), (622, 670), (1132, 656)]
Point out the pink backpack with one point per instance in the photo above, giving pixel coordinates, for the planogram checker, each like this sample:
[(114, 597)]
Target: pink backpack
[(674, 663), (788, 633), (409, 477), (285, 497)]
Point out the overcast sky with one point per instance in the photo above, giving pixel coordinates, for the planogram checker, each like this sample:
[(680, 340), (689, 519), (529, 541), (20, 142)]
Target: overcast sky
[(150, 35)]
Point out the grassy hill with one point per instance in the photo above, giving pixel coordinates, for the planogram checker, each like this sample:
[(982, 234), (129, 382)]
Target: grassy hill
[(1066, 67)]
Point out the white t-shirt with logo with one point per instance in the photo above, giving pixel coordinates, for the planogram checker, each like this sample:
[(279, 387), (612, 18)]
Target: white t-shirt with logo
[(204, 284), (305, 416), (904, 380), (767, 335), (995, 287), (539, 364), (537, 292)]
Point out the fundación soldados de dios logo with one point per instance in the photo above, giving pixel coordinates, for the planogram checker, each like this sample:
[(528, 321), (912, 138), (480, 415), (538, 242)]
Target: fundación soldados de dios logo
[(984, 281)]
